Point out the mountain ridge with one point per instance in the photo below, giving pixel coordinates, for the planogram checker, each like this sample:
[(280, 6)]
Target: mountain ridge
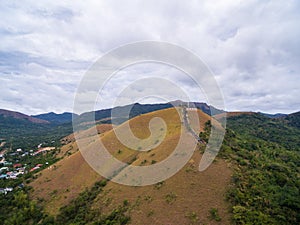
[(136, 109), (18, 115), (57, 118)]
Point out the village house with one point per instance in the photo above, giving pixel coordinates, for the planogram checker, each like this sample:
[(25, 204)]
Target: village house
[(34, 168), (17, 165), (3, 168), (5, 190), (41, 150), (21, 170), (24, 154), (3, 176)]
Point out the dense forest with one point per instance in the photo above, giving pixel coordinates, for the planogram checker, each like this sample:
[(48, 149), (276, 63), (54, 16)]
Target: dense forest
[(266, 180)]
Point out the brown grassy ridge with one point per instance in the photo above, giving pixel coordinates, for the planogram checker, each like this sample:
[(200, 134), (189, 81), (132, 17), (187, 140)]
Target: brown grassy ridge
[(192, 193)]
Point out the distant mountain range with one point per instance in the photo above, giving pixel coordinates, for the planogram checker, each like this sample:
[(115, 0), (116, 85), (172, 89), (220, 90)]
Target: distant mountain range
[(52, 117), (122, 111), (24, 131), (135, 110), (277, 115)]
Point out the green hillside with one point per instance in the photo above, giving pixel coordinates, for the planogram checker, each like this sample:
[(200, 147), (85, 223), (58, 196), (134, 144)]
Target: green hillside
[(266, 180), (21, 133)]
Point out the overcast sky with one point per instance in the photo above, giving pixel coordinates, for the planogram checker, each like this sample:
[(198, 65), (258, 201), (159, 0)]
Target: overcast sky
[(251, 47)]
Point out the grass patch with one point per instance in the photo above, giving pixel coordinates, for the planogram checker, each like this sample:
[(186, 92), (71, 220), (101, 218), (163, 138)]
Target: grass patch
[(171, 197), (214, 215), (192, 216)]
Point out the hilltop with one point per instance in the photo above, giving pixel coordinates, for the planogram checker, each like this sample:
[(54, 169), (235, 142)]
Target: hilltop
[(178, 197), (7, 114)]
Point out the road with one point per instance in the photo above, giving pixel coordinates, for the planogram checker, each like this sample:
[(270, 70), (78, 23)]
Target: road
[(186, 123)]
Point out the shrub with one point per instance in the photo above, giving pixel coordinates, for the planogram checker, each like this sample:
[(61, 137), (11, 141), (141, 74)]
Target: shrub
[(214, 214), (171, 197)]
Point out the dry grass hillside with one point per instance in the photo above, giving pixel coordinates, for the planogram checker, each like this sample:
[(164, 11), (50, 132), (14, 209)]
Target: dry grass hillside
[(63, 181), (185, 198)]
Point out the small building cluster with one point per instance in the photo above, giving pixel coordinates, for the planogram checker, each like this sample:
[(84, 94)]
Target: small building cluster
[(13, 166)]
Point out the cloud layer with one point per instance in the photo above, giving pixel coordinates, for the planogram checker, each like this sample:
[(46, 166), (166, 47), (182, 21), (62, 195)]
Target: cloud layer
[(252, 47)]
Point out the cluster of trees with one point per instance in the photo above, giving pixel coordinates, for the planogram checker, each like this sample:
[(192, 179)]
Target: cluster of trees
[(80, 210), (266, 179), (17, 208), (204, 136)]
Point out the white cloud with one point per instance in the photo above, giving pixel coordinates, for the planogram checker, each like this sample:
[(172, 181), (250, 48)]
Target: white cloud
[(253, 47)]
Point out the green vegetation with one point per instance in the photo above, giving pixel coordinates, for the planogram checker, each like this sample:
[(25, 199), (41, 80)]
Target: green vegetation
[(214, 215), (204, 136), (292, 120), (24, 134), (266, 179), (16, 208), (258, 127), (148, 198), (170, 197), (79, 211), (150, 213), (192, 216)]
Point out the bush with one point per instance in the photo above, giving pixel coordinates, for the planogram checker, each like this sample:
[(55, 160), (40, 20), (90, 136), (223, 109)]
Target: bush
[(214, 214), (171, 197)]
